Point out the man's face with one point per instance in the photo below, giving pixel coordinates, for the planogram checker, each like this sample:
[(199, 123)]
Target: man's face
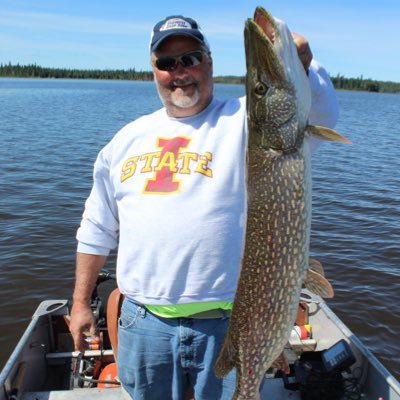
[(183, 91)]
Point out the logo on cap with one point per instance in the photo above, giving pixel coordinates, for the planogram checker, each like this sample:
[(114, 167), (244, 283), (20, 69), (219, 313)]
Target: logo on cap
[(175, 23)]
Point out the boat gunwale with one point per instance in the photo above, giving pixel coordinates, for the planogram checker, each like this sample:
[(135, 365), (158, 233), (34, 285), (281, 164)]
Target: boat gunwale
[(371, 358)]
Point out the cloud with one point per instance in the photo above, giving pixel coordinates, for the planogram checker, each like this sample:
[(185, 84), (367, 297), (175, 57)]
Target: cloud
[(70, 23)]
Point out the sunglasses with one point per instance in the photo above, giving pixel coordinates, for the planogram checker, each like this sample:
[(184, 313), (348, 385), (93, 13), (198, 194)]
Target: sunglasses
[(187, 60)]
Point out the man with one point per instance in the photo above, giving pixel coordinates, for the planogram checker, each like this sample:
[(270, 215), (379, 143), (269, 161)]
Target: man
[(169, 190)]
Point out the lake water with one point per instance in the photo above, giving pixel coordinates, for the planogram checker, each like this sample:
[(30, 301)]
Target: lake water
[(52, 130)]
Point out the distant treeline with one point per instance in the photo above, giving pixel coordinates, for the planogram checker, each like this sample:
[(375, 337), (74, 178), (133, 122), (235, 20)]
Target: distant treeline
[(35, 71), (369, 85)]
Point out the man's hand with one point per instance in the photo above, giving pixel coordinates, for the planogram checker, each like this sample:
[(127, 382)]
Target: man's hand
[(82, 324), (303, 50)]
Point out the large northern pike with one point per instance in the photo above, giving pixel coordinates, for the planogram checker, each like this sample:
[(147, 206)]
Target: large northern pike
[(275, 260)]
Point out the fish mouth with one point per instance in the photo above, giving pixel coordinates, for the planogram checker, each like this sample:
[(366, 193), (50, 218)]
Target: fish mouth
[(261, 35)]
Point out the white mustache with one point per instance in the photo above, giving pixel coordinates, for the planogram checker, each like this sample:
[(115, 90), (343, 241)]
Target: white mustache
[(182, 82)]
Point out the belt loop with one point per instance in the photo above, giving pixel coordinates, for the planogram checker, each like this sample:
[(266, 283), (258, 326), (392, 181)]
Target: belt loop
[(142, 311)]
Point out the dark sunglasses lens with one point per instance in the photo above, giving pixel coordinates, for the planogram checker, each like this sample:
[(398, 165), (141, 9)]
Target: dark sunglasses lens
[(191, 59), (187, 60), (166, 63)]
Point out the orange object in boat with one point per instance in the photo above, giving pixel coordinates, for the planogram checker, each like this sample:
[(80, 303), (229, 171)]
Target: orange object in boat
[(108, 374)]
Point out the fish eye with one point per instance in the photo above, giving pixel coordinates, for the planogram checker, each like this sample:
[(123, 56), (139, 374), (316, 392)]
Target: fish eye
[(261, 88)]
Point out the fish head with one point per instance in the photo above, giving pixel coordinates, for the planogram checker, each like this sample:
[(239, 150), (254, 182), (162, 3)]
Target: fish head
[(277, 88)]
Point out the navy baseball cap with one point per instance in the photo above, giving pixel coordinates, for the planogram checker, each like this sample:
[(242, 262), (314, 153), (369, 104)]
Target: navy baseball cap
[(176, 25)]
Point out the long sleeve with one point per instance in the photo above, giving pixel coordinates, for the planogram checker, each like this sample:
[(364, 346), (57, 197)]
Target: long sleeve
[(324, 105), (98, 232)]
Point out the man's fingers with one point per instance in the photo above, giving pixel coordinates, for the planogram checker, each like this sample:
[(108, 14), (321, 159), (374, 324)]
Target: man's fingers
[(82, 325), (93, 333), (79, 343), (86, 339), (303, 50), (78, 337)]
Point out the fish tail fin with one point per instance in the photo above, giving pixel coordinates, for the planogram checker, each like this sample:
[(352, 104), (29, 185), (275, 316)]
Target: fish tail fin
[(224, 362), (316, 282), (323, 133)]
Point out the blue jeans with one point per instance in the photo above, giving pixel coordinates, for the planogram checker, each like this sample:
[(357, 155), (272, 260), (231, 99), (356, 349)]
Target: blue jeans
[(158, 358)]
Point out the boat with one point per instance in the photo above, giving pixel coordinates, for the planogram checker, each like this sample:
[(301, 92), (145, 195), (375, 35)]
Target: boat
[(327, 361)]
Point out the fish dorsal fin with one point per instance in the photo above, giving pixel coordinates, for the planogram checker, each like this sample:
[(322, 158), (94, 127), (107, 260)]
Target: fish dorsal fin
[(323, 133), (316, 282)]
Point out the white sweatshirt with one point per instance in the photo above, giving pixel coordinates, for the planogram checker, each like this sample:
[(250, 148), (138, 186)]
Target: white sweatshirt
[(174, 189)]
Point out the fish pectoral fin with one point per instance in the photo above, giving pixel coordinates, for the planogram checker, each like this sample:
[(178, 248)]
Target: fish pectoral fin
[(323, 133), (316, 266), (224, 362), (318, 284)]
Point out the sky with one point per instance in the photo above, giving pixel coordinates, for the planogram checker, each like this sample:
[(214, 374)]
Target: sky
[(352, 38)]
